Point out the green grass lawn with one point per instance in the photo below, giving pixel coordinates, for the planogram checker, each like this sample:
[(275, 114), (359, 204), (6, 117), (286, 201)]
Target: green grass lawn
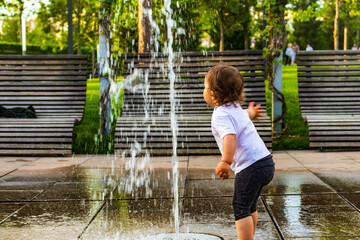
[(85, 133), (297, 134), (87, 141), (85, 138)]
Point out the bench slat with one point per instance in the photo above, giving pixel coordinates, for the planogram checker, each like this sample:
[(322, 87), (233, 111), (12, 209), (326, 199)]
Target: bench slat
[(330, 74), (43, 62), (43, 78), (329, 69), (45, 68), (36, 146), (35, 152), (193, 70), (34, 139), (43, 73), (55, 85), (197, 60), (326, 58)]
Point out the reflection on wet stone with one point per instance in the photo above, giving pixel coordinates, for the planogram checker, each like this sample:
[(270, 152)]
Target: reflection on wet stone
[(49, 220), (314, 216), (131, 219), (18, 195), (91, 175), (77, 190), (354, 199), (342, 181), (160, 185), (6, 209), (288, 182), (215, 216), (37, 175), (207, 188)]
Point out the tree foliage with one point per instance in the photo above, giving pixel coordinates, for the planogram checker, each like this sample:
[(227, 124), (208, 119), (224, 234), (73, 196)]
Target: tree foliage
[(228, 18), (311, 21), (314, 23)]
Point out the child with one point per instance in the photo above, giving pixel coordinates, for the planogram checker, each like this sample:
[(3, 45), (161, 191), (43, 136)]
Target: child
[(241, 147)]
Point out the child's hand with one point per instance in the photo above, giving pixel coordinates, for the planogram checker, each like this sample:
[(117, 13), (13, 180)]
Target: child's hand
[(254, 111), (223, 170)]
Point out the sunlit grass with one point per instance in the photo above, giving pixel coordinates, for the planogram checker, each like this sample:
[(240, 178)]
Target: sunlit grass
[(85, 137), (296, 135)]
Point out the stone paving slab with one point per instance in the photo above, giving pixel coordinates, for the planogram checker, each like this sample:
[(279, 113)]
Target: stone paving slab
[(18, 195), (353, 198), (131, 219), (63, 161), (210, 188), (45, 169), (296, 182), (34, 174), (314, 216), (226, 230), (339, 170), (199, 170), (96, 174), (160, 180), (9, 164), (103, 161), (6, 209), (24, 185), (76, 191), (49, 220), (215, 216), (206, 210), (341, 182)]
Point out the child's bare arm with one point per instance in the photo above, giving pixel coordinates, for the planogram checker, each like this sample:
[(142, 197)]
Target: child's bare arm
[(229, 146), (254, 111)]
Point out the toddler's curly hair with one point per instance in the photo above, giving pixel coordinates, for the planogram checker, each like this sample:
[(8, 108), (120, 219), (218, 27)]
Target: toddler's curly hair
[(227, 85)]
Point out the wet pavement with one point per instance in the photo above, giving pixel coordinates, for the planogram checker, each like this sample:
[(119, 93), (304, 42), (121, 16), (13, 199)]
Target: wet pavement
[(314, 195)]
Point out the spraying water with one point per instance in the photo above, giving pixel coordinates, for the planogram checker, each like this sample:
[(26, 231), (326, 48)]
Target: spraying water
[(170, 23), (136, 171)]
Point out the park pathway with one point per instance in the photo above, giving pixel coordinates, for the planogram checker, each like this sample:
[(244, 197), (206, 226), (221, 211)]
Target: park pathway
[(314, 195)]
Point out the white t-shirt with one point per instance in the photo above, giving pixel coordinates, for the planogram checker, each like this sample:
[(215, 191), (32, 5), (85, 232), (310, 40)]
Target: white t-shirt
[(235, 120)]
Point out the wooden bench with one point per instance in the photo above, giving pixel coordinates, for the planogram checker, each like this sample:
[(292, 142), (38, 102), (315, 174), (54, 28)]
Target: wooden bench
[(329, 93), (55, 85), (193, 114)]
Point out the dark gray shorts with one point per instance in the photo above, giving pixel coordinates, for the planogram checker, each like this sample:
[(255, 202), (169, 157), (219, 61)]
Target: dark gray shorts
[(248, 185)]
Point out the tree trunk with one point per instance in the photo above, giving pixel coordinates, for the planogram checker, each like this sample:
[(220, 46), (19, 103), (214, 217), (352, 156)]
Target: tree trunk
[(20, 19), (336, 26), (70, 26), (221, 33), (104, 65), (346, 30), (144, 26), (78, 28), (276, 33), (93, 63), (357, 31), (246, 36)]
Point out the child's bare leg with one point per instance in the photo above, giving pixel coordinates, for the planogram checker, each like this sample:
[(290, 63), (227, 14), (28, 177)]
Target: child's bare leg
[(245, 228), (254, 216)]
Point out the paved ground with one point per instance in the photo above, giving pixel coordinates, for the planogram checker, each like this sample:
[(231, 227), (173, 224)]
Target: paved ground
[(313, 196)]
